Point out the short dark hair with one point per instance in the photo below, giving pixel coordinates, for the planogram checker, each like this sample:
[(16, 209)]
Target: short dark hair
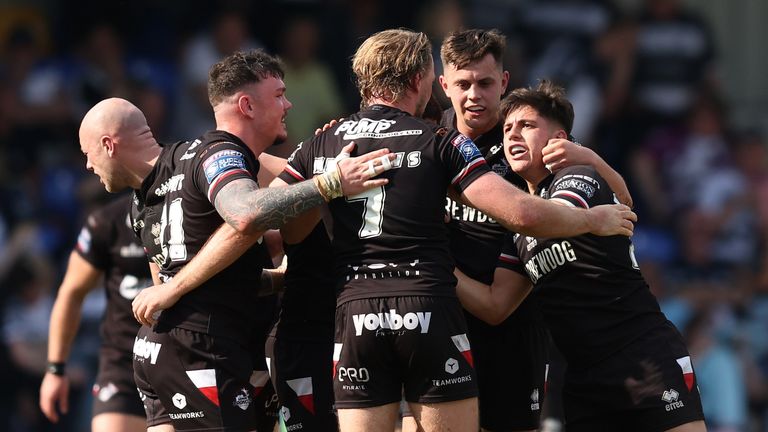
[(239, 69), (548, 99), (463, 47)]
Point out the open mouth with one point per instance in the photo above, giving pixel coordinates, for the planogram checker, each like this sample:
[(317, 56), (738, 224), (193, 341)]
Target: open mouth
[(476, 110), (517, 150)]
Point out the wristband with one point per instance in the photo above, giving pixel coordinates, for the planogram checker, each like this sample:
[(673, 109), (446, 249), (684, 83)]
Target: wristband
[(56, 368), (329, 185)]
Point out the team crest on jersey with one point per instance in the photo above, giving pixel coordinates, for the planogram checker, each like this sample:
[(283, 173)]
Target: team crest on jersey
[(466, 147), (221, 162)]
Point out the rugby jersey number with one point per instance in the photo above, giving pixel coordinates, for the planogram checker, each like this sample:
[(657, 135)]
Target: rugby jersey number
[(373, 211)]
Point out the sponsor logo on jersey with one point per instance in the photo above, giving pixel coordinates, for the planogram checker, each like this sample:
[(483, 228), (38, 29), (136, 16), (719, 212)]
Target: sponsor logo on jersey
[(146, 350), (322, 164), (221, 162), (303, 389), (466, 147), (205, 381), (392, 321), (550, 259), (501, 168), (179, 401), (451, 381), (582, 183), (173, 184), (353, 378), (367, 128), (105, 393), (186, 415), (535, 400), (243, 399), (451, 365), (84, 240), (466, 213), (670, 397), (382, 270)]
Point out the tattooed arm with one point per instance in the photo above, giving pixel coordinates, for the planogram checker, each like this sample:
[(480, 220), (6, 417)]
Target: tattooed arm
[(247, 208)]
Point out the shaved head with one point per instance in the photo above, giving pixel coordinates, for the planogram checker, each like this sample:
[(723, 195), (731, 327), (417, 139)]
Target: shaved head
[(114, 116), (117, 143)]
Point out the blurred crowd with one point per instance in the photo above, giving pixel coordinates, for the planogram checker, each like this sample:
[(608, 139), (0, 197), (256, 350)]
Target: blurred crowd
[(645, 93)]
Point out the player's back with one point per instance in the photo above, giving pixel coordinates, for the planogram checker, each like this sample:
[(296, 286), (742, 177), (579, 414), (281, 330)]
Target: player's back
[(392, 240)]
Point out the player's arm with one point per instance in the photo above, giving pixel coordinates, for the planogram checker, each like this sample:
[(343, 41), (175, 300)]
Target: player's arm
[(249, 209), (80, 278), (492, 303), (533, 216), (222, 249), (271, 167), (298, 228), (562, 153)]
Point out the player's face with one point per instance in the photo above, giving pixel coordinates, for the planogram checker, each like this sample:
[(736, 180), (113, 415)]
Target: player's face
[(98, 161), (425, 90), (475, 92), (271, 106), (526, 133)]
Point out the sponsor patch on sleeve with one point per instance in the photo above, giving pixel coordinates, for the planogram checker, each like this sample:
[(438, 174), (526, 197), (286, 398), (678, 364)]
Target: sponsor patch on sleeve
[(466, 147), (584, 184), (221, 162)]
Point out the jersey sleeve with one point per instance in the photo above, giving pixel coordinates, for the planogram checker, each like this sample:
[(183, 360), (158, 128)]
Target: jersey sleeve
[(221, 164), (462, 157), (93, 240), (509, 258), (579, 186), (297, 169)]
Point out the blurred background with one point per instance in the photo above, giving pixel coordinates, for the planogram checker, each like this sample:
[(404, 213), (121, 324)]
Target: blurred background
[(672, 93)]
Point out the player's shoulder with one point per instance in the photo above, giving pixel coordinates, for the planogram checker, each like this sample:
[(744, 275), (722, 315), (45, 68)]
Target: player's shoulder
[(578, 170)]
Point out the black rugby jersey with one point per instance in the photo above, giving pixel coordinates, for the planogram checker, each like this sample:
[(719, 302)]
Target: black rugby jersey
[(176, 217), (476, 238), (589, 288), (107, 242), (392, 240), (309, 300)]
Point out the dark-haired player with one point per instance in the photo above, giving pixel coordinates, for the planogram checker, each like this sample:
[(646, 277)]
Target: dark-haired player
[(628, 368), (399, 326), (510, 357), (194, 368)]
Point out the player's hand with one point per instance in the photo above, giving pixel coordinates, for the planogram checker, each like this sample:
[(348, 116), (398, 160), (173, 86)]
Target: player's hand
[(560, 153), (328, 125), (54, 391), (613, 219), (150, 301), (357, 173)]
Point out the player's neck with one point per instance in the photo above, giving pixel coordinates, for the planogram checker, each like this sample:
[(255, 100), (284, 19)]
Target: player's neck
[(534, 179), (472, 133), (405, 103)]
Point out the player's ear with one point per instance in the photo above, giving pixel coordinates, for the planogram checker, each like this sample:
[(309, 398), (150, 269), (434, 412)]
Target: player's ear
[(561, 134), (108, 144), (245, 106)]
